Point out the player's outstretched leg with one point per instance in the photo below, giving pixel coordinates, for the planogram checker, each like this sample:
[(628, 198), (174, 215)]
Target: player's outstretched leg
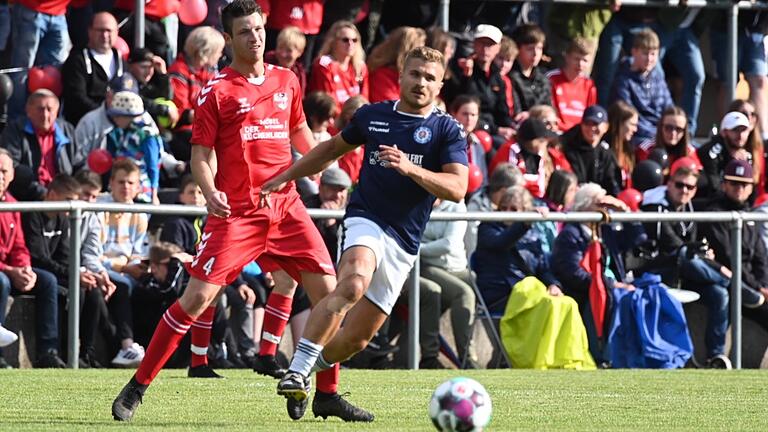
[(276, 315), (328, 402)]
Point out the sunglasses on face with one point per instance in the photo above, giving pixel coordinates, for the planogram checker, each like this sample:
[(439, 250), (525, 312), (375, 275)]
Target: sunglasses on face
[(348, 40), (684, 185), (669, 128)]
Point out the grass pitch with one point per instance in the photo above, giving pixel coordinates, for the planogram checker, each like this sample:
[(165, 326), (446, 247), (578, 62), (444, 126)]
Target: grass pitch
[(522, 400)]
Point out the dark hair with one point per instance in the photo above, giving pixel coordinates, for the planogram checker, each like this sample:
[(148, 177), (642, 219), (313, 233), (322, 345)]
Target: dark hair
[(558, 185), (505, 175), (88, 178), (681, 149), (185, 181), (125, 164), (462, 100), (528, 34), (64, 184), (319, 106), (162, 250), (618, 113), (237, 9), (755, 141)]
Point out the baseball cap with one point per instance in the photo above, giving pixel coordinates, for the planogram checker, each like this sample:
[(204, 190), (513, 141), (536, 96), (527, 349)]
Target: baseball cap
[(488, 31), (532, 129), (140, 55), (124, 82), (595, 114), (125, 103), (335, 177), (734, 119), (739, 171)]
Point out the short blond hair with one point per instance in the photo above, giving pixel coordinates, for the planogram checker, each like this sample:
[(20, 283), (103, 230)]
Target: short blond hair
[(646, 39), (426, 54), (508, 48), (292, 37), (203, 43)]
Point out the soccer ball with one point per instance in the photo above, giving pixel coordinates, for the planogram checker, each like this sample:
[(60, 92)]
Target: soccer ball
[(460, 404)]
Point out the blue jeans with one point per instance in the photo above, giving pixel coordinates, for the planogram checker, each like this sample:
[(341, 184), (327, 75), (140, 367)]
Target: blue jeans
[(5, 25), (750, 53), (120, 306), (38, 39), (617, 35), (46, 293), (714, 289), (682, 46)]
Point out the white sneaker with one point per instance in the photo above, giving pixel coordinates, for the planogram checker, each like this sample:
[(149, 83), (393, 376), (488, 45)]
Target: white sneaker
[(129, 357), (7, 337)]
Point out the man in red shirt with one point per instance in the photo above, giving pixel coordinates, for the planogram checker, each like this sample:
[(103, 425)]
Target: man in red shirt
[(572, 90), (250, 114)]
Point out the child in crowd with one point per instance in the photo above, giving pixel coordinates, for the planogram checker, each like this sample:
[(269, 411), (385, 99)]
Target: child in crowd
[(572, 89), (531, 85), (504, 60), (290, 46)]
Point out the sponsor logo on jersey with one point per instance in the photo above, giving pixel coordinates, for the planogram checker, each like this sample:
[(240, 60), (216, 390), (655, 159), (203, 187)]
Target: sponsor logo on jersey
[(281, 100), (422, 135), (254, 132), (373, 159)]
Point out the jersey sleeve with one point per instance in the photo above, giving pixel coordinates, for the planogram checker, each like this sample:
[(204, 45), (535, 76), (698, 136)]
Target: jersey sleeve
[(354, 132), (297, 110), (206, 124), (454, 148)]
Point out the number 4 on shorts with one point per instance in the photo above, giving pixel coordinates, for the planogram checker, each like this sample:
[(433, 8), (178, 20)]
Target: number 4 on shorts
[(208, 267)]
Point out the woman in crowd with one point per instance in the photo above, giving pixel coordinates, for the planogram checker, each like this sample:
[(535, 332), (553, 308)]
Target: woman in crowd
[(622, 125), (754, 142), (188, 74), (672, 137), (340, 69), (466, 110), (386, 61)]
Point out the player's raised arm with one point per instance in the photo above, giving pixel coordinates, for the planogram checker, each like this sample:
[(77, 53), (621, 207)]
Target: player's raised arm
[(202, 165), (318, 159), (450, 184)]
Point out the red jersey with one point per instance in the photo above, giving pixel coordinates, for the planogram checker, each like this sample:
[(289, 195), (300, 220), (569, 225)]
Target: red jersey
[(307, 15), (48, 7), (387, 84), (13, 249), (571, 98), (511, 152), (327, 76), (155, 9), (186, 84), (248, 122)]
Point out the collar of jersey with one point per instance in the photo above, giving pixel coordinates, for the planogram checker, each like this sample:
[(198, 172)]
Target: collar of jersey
[(394, 108)]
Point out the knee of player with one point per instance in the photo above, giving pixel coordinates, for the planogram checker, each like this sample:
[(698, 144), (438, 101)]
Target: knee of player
[(352, 287)]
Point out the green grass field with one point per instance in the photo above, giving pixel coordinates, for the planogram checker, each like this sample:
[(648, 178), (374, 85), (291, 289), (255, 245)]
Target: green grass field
[(522, 400)]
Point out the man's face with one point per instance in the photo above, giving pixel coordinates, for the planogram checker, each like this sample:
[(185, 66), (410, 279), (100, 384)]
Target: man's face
[(736, 137), (577, 63), (247, 38), (737, 191), (485, 50), (52, 195), (6, 173), (644, 60), (142, 70), (192, 195), (681, 189), (42, 113), (420, 82), (89, 194), (530, 54), (334, 194), (159, 269), (592, 132), (125, 186), (103, 32), (467, 115)]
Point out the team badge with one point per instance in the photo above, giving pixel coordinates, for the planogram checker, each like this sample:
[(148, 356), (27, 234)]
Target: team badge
[(280, 100), (422, 135)]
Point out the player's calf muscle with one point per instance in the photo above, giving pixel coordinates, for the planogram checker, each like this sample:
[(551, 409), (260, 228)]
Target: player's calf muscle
[(198, 296)]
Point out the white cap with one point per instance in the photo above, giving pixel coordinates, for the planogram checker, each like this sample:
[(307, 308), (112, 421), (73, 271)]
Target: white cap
[(488, 31), (126, 103), (734, 119)]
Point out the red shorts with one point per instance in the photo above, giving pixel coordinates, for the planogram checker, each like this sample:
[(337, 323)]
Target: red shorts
[(278, 237)]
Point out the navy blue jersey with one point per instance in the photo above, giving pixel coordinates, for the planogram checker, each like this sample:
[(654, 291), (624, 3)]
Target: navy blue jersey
[(395, 202)]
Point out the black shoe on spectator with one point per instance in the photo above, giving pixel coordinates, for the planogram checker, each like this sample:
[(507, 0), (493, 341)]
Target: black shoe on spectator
[(220, 363), (326, 405), (128, 400), (4, 364), (267, 365), (88, 360), (248, 359), (51, 360), (430, 363), (202, 371)]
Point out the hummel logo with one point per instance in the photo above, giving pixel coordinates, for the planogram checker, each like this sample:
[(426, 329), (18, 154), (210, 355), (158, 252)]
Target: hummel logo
[(205, 90)]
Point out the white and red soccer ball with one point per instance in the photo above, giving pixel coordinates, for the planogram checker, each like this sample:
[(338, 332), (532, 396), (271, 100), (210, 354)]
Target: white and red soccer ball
[(460, 404)]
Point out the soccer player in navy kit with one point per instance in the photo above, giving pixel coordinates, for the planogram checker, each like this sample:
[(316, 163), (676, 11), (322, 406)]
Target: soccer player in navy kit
[(413, 153)]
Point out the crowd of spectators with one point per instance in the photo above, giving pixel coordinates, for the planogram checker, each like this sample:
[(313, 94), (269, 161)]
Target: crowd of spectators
[(114, 125)]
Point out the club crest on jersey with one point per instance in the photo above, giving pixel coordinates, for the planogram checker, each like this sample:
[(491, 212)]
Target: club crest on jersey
[(422, 135), (280, 100)]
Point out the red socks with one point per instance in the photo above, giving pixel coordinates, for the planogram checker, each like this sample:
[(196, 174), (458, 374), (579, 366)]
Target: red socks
[(276, 315), (201, 337), (328, 380), (172, 327)]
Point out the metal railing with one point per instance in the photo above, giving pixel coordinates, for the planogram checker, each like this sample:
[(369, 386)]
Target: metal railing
[(76, 209)]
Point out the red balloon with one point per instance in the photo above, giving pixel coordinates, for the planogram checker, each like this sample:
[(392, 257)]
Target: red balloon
[(193, 12), (485, 139), (685, 161), (100, 161), (122, 47), (475, 178), (47, 77), (631, 197)]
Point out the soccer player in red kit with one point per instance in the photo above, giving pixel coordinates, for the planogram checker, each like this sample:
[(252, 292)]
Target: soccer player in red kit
[(249, 114)]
